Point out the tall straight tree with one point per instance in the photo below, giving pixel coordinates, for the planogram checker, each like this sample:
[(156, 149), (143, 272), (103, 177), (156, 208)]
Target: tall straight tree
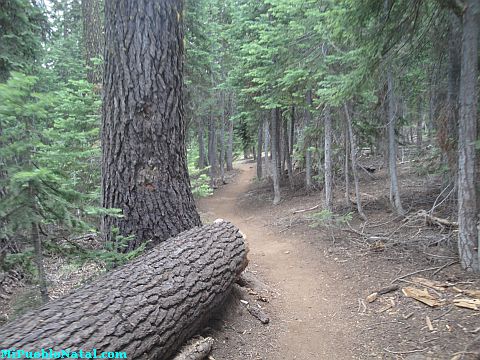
[(328, 160), (93, 37), (468, 239), (144, 170)]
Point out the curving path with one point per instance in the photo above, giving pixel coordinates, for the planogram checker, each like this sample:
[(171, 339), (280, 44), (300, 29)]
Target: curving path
[(317, 316)]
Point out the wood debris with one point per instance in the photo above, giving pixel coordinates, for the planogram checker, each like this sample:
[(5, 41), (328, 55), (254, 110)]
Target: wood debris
[(197, 349), (472, 293), (429, 323), (473, 304), (385, 290), (305, 210), (433, 220), (372, 297), (437, 285), (422, 295), (258, 313)]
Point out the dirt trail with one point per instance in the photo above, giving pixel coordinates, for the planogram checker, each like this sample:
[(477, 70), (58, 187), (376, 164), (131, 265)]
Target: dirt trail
[(316, 318)]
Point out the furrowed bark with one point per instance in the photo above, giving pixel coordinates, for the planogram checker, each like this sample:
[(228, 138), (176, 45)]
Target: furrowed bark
[(144, 168), (147, 308), (468, 237)]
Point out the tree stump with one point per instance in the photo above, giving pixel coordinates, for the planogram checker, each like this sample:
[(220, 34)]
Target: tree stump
[(147, 308)]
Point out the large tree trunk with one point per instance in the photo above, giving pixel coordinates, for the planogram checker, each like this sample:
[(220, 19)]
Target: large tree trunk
[(147, 308), (392, 147), (353, 153), (467, 198), (275, 157), (144, 168), (328, 160), (308, 153), (93, 38)]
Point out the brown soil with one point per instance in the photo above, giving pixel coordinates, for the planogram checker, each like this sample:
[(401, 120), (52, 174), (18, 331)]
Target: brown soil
[(320, 277)]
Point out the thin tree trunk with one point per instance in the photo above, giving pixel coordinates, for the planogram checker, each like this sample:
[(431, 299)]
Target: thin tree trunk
[(347, 170), (259, 149), (281, 146), (292, 131), (454, 71), (419, 125), (287, 155), (266, 145), (222, 143), (275, 158), (432, 105), (37, 245), (328, 160), (353, 153), (308, 152), (202, 160), (392, 147), (212, 150), (277, 143), (230, 139), (144, 167), (468, 236)]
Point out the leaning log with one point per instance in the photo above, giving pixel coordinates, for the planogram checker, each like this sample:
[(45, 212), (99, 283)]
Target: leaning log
[(147, 308)]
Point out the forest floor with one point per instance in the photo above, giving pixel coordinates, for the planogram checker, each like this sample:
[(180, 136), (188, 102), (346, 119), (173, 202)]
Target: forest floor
[(319, 278)]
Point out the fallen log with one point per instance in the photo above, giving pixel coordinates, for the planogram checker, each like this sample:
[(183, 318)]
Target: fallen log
[(433, 220), (147, 308)]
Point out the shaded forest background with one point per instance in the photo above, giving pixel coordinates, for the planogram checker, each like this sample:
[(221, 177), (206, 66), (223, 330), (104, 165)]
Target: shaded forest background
[(305, 87)]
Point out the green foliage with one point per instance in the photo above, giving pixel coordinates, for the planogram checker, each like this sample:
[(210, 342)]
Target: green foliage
[(328, 218), (201, 185), (47, 142), (23, 25), (23, 260)]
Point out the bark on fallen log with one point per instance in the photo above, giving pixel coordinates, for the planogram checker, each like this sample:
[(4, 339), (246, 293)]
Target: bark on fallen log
[(147, 308)]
